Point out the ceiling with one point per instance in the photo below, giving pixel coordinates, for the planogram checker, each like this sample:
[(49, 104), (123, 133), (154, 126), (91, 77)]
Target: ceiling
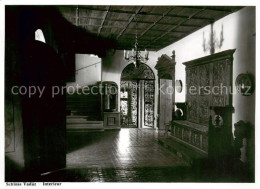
[(156, 26)]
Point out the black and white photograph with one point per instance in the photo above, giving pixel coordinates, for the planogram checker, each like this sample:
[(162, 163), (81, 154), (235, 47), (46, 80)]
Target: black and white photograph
[(128, 92)]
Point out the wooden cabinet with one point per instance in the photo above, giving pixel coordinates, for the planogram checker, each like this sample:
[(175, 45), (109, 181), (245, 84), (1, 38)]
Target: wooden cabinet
[(209, 80), (208, 99)]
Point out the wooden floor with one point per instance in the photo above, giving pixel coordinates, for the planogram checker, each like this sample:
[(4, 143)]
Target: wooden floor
[(127, 148)]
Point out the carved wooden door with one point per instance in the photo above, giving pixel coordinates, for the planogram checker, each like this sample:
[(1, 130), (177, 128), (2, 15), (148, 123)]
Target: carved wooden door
[(165, 114)]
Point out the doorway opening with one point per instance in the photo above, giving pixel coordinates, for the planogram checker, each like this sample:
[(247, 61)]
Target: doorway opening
[(137, 90)]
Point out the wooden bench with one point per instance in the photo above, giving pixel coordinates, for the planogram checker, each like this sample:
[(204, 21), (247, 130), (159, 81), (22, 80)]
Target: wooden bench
[(191, 134)]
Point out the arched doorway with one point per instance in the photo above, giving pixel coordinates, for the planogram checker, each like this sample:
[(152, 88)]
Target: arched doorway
[(137, 96)]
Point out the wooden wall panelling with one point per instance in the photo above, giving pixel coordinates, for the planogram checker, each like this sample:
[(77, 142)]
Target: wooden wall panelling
[(209, 81), (192, 83)]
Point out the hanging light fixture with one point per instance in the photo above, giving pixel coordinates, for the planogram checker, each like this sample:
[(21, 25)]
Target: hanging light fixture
[(135, 56)]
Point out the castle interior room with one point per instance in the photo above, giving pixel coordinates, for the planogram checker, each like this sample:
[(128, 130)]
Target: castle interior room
[(130, 93)]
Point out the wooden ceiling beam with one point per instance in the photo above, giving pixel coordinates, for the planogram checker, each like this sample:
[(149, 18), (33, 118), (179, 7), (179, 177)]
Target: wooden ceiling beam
[(140, 22), (77, 16), (113, 20), (174, 27), (179, 32), (107, 27), (133, 33), (129, 21), (147, 14), (142, 13), (167, 24), (127, 40), (156, 21), (191, 25), (209, 8), (156, 26), (98, 18), (103, 21), (112, 10), (186, 17), (219, 10)]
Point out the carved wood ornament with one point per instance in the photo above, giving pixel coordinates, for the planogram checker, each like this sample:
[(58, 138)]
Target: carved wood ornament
[(166, 66), (211, 76)]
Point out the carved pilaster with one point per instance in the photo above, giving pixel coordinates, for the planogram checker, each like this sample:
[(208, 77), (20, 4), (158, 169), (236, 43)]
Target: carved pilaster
[(166, 70)]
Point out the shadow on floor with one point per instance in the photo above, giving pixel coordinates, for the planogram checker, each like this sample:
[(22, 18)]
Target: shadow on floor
[(200, 171), (140, 174), (13, 172), (78, 140)]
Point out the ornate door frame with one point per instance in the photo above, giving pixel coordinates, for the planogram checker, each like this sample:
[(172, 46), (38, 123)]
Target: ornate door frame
[(143, 76), (166, 70)]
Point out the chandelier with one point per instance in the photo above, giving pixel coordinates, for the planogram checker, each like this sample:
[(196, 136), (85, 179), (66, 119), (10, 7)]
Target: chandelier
[(135, 56)]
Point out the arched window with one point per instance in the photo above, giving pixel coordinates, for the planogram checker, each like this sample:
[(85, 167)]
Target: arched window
[(39, 36)]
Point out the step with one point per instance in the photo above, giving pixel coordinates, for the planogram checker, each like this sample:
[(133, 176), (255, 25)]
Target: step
[(86, 125), (76, 120), (181, 150), (76, 117), (79, 122)]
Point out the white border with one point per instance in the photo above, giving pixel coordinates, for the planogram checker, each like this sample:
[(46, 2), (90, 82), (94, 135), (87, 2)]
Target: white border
[(132, 2)]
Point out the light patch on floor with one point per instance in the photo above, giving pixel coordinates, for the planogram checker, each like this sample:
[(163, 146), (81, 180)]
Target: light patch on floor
[(129, 147)]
